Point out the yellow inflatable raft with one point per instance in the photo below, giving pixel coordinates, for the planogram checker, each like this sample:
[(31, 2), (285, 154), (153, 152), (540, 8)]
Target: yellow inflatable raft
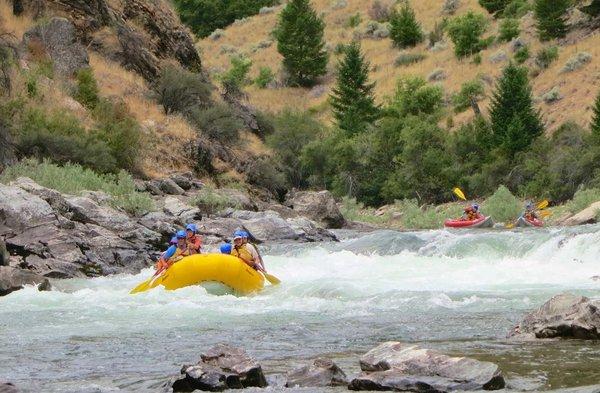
[(196, 269)]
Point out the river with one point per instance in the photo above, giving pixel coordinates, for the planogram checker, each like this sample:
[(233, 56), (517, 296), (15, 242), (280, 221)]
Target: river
[(459, 292)]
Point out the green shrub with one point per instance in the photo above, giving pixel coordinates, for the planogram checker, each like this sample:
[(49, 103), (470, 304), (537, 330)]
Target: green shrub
[(415, 96), (522, 54), (470, 91), (502, 206), (87, 92), (352, 210), (60, 137), (517, 9), (494, 6), (477, 59), (210, 202), (551, 17), (340, 48), (219, 122), (121, 132), (265, 77), (179, 90), (265, 173), (73, 179), (237, 76), (583, 199), (409, 58), (353, 21), (437, 33), (546, 56), (465, 32), (509, 29), (405, 30)]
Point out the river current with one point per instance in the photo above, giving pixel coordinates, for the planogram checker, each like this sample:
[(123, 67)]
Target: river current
[(456, 291)]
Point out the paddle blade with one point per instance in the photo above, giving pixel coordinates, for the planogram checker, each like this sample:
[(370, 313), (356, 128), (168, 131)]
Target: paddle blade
[(272, 279), (510, 226), (143, 287), (545, 213), (458, 192), (543, 204)]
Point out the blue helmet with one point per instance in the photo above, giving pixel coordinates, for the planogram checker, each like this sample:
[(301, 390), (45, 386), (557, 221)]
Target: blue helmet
[(173, 240), (529, 205), (475, 207), (245, 235), (181, 234), (238, 234), (191, 227), (226, 248)]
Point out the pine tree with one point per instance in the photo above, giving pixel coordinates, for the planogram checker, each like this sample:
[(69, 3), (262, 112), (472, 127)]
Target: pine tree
[(596, 118), (551, 16), (515, 122), (352, 98), (300, 41), (405, 30), (494, 6)]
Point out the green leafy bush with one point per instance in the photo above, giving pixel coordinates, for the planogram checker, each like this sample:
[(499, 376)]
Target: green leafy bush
[(470, 91), (502, 206), (353, 21), (179, 90), (265, 77), (409, 58), (352, 210), (265, 173), (405, 30), (509, 29), (546, 56), (87, 92), (551, 17), (210, 201), (415, 96), (425, 217), (219, 122), (465, 32), (522, 55), (73, 179), (494, 6), (237, 75), (583, 199)]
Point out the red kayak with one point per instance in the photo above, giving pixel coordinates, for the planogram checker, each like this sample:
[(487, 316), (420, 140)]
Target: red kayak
[(523, 222), (483, 222)]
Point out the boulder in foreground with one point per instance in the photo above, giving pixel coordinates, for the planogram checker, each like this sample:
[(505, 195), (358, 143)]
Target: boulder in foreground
[(320, 373), (12, 279), (563, 316), (221, 367), (402, 367)]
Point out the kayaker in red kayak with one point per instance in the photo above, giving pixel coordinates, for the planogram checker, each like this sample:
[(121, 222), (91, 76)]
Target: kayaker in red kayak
[(471, 213), (530, 214)]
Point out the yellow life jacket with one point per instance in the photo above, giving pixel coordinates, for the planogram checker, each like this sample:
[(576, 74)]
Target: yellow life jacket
[(179, 253), (242, 253)]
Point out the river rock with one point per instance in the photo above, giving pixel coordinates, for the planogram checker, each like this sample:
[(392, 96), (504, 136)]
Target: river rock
[(88, 211), (20, 209), (565, 316), (403, 367), (221, 367), (267, 225), (319, 206), (53, 197), (168, 186), (309, 231), (7, 387), (320, 373), (586, 216), (57, 37), (12, 279), (182, 212)]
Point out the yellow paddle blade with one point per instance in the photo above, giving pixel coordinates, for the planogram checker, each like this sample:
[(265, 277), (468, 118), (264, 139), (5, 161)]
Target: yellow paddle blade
[(510, 226), (545, 213), (272, 279), (458, 192), (543, 204), (143, 287)]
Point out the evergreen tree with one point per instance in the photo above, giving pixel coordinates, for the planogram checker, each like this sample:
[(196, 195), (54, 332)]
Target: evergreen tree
[(494, 6), (405, 30), (515, 122), (300, 41), (551, 16), (352, 98), (596, 118)]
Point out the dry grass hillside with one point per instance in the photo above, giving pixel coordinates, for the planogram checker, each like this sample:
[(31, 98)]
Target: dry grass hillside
[(252, 36)]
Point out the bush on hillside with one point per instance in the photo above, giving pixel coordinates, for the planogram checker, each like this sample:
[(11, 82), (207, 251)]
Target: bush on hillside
[(576, 62), (465, 32), (409, 58), (517, 9), (494, 6), (210, 202), (218, 122), (522, 54), (179, 90), (237, 76), (86, 91), (437, 33), (265, 77), (509, 29), (73, 179), (583, 199), (265, 173), (546, 56), (405, 30), (380, 11), (502, 206), (353, 21), (470, 92), (415, 96), (551, 17)]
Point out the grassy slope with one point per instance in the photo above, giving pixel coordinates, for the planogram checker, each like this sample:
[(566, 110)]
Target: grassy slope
[(578, 88)]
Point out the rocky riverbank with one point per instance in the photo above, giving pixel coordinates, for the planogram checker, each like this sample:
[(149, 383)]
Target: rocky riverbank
[(51, 235)]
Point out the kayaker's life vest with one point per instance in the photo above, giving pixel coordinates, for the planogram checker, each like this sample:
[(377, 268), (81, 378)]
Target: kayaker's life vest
[(194, 244), (179, 253), (243, 253)]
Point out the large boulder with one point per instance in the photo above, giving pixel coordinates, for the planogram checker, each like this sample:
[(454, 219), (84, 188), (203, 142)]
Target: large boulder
[(264, 226), (221, 367), (88, 211), (58, 39), (318, 206), (402, 367), (13, 279), (53, 197), (168, 186), (565, 316), (182, 212), (320, 373), (19, 209), (586, 216)]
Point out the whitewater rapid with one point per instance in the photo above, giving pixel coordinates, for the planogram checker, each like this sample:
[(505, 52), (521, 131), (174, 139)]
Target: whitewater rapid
[(456, 291)]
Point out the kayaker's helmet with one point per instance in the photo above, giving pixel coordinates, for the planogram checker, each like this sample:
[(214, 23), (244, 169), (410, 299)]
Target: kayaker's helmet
[(529, 205), (181, 234), (245, 235), (475, 207), (238, 234), (173, 240), (192, 228), (225, 248)]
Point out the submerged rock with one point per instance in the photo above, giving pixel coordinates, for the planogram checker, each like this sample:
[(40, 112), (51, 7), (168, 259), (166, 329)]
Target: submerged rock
[(12, 279), (320, 373), (403, 367), (565, 316), (221, 367)]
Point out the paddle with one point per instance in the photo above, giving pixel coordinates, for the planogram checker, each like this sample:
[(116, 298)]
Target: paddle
[(543, 204), (148, 283), (458, 192), (271, 278), (543, 213)]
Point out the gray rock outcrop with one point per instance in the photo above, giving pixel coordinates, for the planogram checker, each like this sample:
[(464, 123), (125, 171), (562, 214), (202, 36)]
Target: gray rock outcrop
[(563, 316), (402, 367), (319, 206), (320, 373), (12, 279)]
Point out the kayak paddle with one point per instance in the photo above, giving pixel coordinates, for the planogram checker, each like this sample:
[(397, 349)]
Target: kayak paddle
[(543, 204), (458, 192), (148, 283)]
